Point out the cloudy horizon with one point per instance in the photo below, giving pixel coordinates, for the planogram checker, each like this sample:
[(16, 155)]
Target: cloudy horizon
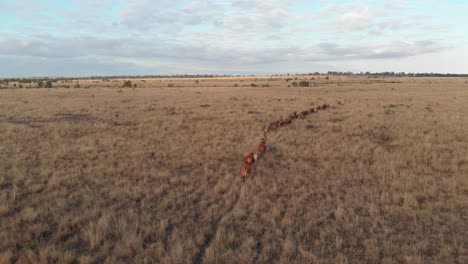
[(143, 37)]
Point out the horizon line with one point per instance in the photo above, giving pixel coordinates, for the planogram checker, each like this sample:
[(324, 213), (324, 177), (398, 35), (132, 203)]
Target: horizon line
[(210, 75)]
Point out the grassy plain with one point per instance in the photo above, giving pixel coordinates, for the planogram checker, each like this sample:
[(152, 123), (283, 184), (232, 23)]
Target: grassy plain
[(151, 174)]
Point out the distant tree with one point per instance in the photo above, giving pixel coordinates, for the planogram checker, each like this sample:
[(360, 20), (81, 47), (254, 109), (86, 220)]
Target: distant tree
[(48, 84), (40, 84), (127, 83)]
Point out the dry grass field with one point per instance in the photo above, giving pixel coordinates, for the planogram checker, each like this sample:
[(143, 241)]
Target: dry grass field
[(106, 174)]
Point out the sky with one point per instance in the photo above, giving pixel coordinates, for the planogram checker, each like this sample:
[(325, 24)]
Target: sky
[(158, 37)]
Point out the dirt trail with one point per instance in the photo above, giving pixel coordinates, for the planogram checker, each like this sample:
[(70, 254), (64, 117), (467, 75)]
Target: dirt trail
[(198, 258)]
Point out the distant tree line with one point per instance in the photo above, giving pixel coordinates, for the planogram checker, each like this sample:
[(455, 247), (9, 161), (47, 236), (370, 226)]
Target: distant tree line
[(48, 80), (108, 78), (399, 74), (394, 74)]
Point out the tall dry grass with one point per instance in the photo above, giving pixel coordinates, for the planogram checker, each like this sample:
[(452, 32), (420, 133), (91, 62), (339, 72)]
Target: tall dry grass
[(151, 175)]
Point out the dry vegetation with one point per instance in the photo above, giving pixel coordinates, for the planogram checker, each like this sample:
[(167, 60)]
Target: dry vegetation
[(151, 174)]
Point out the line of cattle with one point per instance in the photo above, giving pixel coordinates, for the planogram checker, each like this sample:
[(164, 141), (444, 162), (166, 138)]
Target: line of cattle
[(251, 157)]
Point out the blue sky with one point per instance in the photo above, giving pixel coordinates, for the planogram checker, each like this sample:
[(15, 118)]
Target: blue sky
[(136, 37)]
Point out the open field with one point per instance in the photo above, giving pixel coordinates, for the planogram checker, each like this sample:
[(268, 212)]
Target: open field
[(151, 174)]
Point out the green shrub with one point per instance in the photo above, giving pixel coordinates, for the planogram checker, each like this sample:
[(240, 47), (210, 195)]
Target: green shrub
[(383, 135), (295, 84), (304, 84), (337, 119), (127, 84), (48, 84), (32, 245)]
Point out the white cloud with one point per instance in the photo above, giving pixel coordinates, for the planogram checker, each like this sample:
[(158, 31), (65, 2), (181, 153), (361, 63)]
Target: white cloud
[(144, 35), (362, 17)]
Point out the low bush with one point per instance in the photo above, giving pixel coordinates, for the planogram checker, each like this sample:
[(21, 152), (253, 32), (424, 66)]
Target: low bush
[(127, 84)]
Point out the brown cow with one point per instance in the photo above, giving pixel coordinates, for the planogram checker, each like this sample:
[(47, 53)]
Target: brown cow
[(245, 170), (293, 115), (249, 158), (262, 147), (273, 125), (276, 124)]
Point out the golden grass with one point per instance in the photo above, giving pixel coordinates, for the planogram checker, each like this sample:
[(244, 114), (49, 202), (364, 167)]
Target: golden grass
[(151, 174)]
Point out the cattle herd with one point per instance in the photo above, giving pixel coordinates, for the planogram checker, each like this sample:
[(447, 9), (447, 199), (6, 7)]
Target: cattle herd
[(251, 157)]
